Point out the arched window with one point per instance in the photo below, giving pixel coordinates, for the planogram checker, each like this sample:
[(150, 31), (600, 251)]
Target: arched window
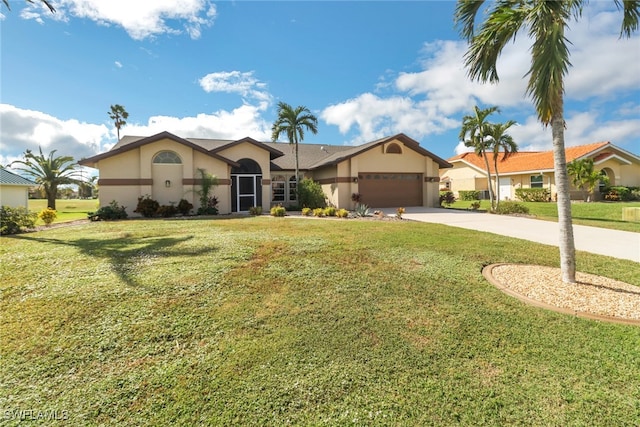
[(247, 166), (293, 195), (167, 157), (393, 148), (277, 188)]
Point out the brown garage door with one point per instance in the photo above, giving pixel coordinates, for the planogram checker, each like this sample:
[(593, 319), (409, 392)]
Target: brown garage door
[(390, 190)]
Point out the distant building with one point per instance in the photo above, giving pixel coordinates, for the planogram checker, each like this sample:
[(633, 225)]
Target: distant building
[(14, 189)]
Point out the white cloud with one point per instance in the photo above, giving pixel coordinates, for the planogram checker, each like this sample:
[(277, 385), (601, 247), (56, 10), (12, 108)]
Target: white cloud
[(26, 129), (242, 83), (118, 64), (139, 18)]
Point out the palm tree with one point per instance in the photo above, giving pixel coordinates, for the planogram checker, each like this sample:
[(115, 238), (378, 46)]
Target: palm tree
[(51, 8), (585, 177), (473, 132), (119, 116), (500, 142), (293, 123), (545, 22), (49, 172)]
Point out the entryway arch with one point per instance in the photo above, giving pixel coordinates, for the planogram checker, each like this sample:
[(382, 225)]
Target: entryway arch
[(246, 185)]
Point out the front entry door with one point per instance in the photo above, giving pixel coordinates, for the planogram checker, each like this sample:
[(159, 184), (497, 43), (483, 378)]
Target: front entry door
[(245, 192)]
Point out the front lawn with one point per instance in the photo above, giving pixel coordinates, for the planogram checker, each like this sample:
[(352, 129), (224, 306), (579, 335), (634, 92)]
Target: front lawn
[(66, 209), (275, 321), (595, 214)]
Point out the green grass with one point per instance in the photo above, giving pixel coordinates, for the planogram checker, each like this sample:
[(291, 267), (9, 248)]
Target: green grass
[(272, 321), (67, 209), (595, 214)]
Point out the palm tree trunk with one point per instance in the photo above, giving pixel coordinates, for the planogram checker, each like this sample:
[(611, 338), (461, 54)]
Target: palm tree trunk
[(297, 174), (566, 243), (495, 168), (491, 196), (51, 197)]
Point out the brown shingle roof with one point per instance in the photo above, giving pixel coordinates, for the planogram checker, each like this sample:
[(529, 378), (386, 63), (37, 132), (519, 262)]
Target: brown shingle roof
[(525, 161)]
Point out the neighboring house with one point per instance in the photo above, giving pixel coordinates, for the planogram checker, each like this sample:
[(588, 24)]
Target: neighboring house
[(389, 172), (14, 189), (528, 169)]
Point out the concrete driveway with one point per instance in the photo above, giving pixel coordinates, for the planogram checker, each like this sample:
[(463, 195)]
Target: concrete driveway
[(614, 243)]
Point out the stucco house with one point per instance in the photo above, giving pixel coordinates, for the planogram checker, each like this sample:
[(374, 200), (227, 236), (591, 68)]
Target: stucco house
[(388, 172), (14, 189), (529, 169)]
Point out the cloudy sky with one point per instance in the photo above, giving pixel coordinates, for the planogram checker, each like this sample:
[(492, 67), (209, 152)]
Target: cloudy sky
[(366, 69)]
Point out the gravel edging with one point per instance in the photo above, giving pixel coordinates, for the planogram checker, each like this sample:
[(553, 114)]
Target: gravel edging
[(592, 297)]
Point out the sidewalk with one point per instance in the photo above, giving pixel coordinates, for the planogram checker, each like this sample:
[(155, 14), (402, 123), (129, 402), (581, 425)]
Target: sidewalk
[(614, 243)]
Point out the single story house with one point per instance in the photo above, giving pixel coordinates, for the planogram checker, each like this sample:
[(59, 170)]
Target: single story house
[(14, 189), (388, 172), (534, 169)]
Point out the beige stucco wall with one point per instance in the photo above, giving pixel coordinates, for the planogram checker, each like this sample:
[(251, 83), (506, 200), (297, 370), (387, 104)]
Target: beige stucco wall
[(624, 175), (14, 195)]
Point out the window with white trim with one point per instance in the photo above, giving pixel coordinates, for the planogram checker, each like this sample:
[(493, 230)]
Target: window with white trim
[(537, 181)]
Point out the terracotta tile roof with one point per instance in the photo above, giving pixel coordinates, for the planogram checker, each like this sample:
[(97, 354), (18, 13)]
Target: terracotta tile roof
[(525, 161)]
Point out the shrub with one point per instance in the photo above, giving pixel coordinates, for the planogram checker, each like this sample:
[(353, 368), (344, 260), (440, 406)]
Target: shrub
[(329, 211), (362, 210), (507, 207), (306, 211), (355, 197), (167, 211), (48, 215), (16, 220), (474, 206), (147, 207), (399, 213), (446, 198), (469, 195), (533, 194), (107, 213), (255, 210), (310, 194), (342, 213), (210, 207), (278, 211), (184, 207), (618, 194), (318, 212)]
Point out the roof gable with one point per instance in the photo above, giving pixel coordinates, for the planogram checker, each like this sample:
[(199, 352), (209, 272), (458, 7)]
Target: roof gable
[(273, 152)]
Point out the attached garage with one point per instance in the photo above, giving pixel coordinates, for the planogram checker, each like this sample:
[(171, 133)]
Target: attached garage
[(389, 190)]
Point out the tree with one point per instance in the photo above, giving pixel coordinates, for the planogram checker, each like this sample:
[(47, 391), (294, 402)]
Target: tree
[(545, 22), (293, 123), (500, 142), (585, 177), (119, 116), (51, 8), (49, 172), (473, 133)]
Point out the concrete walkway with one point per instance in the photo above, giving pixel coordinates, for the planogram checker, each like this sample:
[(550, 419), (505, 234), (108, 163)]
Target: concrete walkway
[(614, 243)]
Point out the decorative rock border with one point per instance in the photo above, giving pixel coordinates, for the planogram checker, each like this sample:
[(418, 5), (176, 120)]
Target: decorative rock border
[(487, 272)]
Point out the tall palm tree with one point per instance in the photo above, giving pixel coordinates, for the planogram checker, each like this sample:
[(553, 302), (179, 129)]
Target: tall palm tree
[(473, 133), (48, 4), (499, 141), (119, 116), (545, 22), (49, 172), (293, 122)]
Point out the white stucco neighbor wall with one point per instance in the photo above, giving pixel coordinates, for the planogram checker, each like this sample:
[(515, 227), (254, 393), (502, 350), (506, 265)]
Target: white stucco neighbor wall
[(14, 195)]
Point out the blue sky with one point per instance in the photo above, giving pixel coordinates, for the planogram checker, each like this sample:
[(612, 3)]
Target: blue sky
[(366, 69)]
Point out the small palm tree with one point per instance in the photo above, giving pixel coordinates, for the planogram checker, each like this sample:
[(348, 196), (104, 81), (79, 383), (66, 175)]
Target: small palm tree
[(585, 177), (473, 133), (49, 172), (500, 142), (545, 23), (293, 122), (119, 116)]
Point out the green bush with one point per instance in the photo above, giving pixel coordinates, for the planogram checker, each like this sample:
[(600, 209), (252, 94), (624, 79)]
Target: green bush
[(310, 194), (342, 213), (306, 211), (319, 212), (147, 207), (507, 207), (167, 211), (278, 211), (446, 198), (362, 210), (210, 208), (48, 215), (533, 194), (255, 210), (16, 220), (469, 195), (618, 194), (474, 206), (329, 211), (108, 213), (184, 207)]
